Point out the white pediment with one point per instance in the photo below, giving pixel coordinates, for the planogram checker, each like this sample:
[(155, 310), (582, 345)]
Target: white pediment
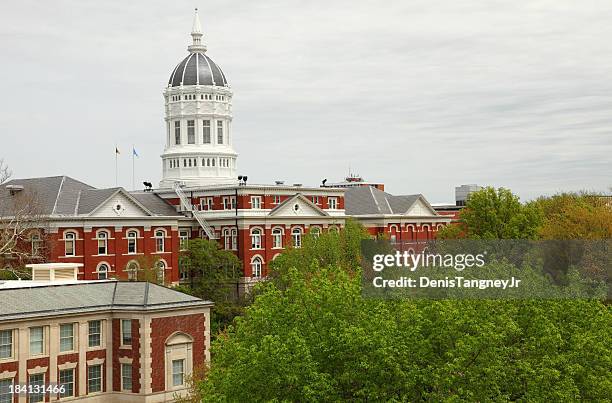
[(420, 208), (119, 205), (297, 206)]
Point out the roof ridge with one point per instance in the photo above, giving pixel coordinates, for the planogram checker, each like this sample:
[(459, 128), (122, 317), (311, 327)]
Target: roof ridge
[(78, 201), (146, 294), (59, 191), (114, 293)]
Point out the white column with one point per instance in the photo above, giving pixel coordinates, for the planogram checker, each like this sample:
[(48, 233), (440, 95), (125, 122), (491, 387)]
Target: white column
[(82, 340), (22, 355), (53, 352)]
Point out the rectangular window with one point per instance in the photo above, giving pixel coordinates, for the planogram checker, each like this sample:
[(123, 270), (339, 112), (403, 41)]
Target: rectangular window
[(206, 203), (226, 204), (131, 245), (177, 132), (126, 377), (183, 239), (66, 337), (276, 199), (256, 202), (6, 344), (315, 199), (95, 333), (219, 132), (233, 203), (66, 379), (36, 381), (5, 391), (168, 133), (191, 132), (234, 239), (178, 372), (37, 340), (94, 378), (69, 249), (102, 243), (333, 203), (206, 131), (126, 332)]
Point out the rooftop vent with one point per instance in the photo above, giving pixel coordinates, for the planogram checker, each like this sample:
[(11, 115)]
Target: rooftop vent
[(279, 183), (13, 189), (54, 271), (297, 185)]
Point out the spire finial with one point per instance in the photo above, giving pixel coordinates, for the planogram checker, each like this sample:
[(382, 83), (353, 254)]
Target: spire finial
[(196, 35)]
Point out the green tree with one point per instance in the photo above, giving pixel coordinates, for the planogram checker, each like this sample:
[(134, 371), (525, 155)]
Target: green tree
[(575, 216), (495, 214), (320, 340), (214, 275), (342, 249)]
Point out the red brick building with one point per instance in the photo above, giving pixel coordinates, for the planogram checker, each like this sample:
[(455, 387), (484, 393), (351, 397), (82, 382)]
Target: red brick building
[(102, 341), (114, 233)]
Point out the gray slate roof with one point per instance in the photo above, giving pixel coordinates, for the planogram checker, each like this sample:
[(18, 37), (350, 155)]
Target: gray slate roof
[(367, 200), (154, 203), (54, 195), (56, 299), (65, 196)]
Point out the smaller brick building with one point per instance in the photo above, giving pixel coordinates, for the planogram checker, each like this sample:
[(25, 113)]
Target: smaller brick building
[(104, 341)]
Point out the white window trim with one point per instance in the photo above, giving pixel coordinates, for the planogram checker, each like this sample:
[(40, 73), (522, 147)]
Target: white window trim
[(12, 356), (37, 370), (8, 374), (67, 365), (121, 345)]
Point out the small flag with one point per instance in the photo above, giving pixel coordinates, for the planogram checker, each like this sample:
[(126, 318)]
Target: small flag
[(117, 150), (134, 153)]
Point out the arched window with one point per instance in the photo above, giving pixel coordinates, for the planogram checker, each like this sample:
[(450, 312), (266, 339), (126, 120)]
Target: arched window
[(160, 267), (411, 233), (256, 267), (132, 270), (296, 236), (132, 239), (102, 237), (277, 238), (315, 232), (160, 236), (425, 228), (234, 239), (36, 244), (69, 244), (179, 360), (256, 238), (226, 238), (102, 271)]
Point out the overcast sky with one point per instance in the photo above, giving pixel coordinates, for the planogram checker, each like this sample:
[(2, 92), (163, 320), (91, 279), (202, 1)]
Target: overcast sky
[(420, 95)]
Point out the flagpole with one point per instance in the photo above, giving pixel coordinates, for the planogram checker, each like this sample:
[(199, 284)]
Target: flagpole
[(116, 173), (133, 187)]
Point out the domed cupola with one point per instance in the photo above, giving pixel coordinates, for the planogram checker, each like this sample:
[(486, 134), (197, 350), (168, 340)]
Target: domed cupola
[(198, 103), (197, 68)]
